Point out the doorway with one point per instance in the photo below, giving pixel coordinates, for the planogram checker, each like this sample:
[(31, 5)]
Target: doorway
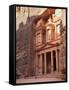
[(54, 60), (43, 63), (48, 65)]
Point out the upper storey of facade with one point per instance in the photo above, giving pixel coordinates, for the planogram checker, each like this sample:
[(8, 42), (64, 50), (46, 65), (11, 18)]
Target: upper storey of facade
[(48, 27)]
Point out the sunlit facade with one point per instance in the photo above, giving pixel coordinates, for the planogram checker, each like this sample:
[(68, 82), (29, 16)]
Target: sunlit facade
[(49, 59)]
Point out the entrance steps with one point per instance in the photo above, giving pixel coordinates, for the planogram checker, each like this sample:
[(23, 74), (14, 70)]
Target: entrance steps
[(51, 75)]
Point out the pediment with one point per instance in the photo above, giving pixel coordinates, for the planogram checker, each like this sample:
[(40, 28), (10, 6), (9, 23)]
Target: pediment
[(47, 45)]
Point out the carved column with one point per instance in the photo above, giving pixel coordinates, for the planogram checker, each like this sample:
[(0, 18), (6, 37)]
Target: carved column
[(51, 61), (44, 63), (57, 57), (40, 65)]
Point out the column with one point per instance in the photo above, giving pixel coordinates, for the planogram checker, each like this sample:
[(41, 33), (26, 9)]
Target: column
[(36, 62), (60, 59), (57, 61), (44, 63), (40, 65), (51, 61)]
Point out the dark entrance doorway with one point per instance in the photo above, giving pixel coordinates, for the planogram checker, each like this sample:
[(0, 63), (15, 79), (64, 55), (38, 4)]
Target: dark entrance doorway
[(54, 61), (42, 63), (48, 65)]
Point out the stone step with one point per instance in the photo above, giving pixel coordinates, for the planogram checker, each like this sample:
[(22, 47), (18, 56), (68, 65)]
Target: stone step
[(53, 75)]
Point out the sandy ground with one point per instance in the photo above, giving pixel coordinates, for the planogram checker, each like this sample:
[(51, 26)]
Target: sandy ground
[(35, 79)]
